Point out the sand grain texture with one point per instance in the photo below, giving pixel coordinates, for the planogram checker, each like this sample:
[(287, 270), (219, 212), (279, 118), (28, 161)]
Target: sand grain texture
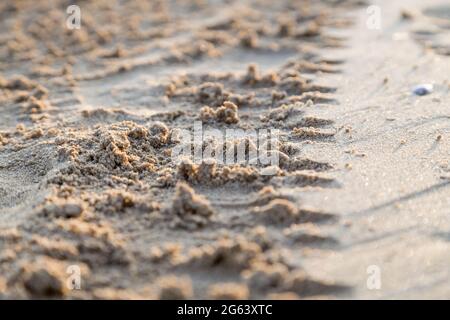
[(90, 117)]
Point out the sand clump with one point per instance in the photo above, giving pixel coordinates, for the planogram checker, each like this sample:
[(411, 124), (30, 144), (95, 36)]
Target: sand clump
[(228, 113), (120, 201), (3, 139), (260, 269), (45, 278), (249, 39), (54, 248), (307, 233), (279, 211), (18, 83), (311, 133), (283, 112), (174, 288), (120, 153), (189, 206), (267, 194), (114, 147), (168, 252), (110, 293), (283, 296), (279, 277), (209, 173), (229, 254), (211, 92), (254, 78), (228, 291), (64, 208), (34, 105), (158, 134), (97, 243), (264, 276), (35, 134), (31, 95), (300, 283), (117, 201), (3, 287)]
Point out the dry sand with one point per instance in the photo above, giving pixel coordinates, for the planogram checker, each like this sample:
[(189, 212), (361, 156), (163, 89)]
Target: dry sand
[(89, 118)]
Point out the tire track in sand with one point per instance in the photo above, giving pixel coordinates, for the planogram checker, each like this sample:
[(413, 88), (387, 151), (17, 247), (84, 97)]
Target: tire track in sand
[(109, 99)]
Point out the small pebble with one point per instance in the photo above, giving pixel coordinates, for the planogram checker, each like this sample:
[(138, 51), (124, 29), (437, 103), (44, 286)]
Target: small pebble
[(423, 89)]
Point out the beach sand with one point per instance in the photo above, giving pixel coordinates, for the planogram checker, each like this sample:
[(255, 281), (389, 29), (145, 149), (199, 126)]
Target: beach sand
[(94, 204)]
